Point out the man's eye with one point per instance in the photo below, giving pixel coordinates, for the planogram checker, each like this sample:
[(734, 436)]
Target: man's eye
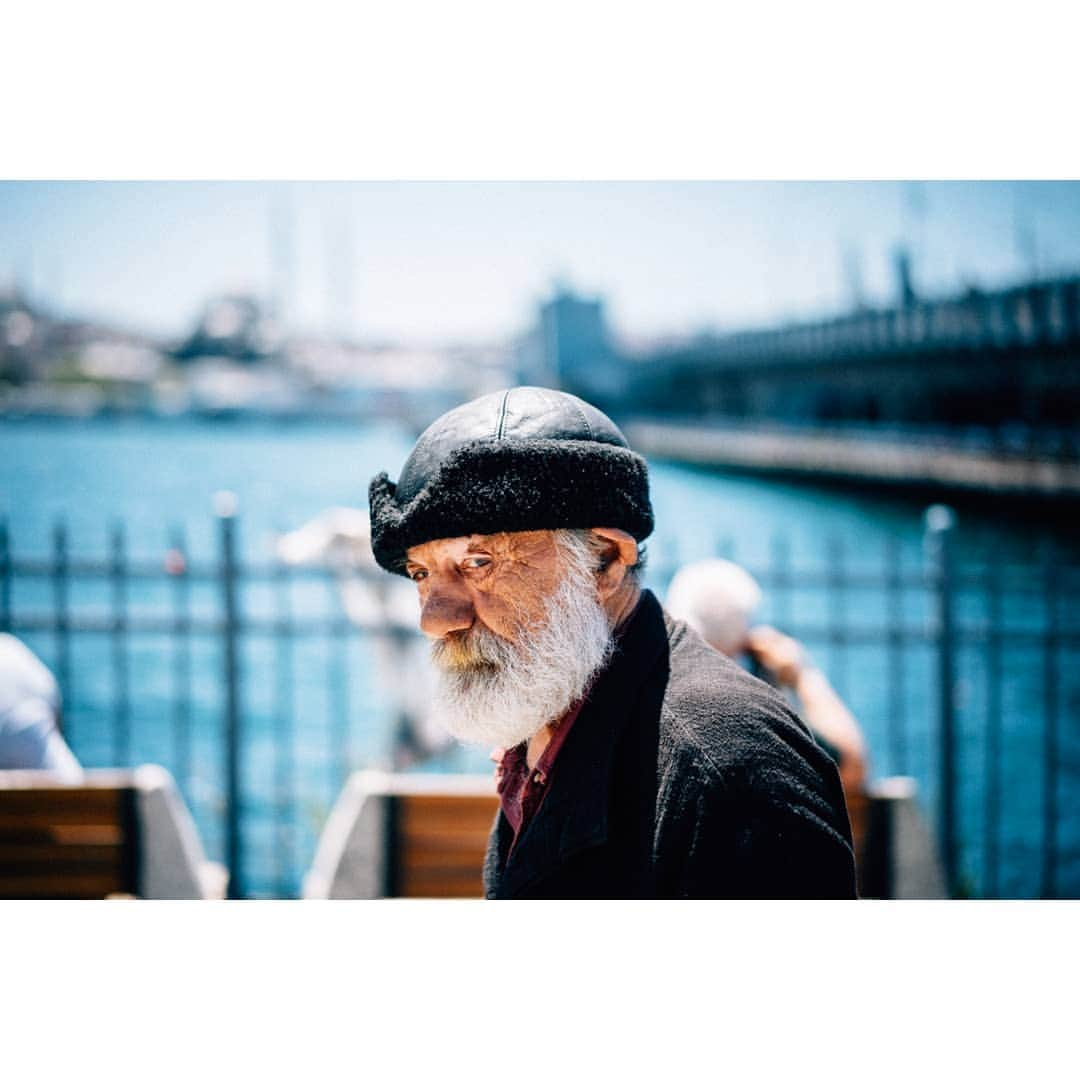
[(475, 562), (418, 575)]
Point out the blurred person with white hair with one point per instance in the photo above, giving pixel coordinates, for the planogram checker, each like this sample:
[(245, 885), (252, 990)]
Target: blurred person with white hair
[(339, 539), (29, 714), (718, 599)]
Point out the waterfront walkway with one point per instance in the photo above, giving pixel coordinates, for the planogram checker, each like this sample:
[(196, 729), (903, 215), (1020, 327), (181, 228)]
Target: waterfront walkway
[(908, 462)]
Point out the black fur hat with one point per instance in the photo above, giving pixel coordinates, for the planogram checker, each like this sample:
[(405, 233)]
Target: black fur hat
[(518, 459)]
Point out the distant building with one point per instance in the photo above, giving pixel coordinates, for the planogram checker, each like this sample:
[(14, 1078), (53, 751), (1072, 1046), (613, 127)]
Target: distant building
[(231, 328), (569, 348), (20, 334), (65, 365)]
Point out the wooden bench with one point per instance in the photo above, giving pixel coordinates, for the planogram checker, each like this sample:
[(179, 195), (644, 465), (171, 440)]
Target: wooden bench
[(62, 843), (896, 855), (424, 835), (405, 835), (123, 833)]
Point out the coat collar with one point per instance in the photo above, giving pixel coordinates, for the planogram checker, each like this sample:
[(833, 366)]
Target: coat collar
[(574, 815)]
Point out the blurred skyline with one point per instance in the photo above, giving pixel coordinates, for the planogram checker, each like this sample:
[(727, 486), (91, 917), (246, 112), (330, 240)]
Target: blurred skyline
[(425, 263)]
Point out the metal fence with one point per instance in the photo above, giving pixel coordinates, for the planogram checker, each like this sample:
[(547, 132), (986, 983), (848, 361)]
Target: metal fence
[(961, 675)]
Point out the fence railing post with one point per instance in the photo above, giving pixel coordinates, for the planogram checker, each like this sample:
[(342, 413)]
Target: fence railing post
[(225, 508), (118, 574), (995, 629), (5, 577), (61, 607), (940, 524), (898, 720), (1051, 735), (176, 565)]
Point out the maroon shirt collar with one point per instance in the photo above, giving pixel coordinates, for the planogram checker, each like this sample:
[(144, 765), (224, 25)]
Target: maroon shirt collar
[(521, 789)]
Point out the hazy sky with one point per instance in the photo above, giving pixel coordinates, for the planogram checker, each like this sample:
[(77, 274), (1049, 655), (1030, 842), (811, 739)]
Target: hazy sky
[(428, 262)]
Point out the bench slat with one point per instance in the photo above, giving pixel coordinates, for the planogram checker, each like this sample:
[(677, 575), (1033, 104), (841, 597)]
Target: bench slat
[(59, 842), (443, 887), (84, 886), (435, 857), (15, 855), (441, 840), (49, 805), (60, 835), (450, 814)]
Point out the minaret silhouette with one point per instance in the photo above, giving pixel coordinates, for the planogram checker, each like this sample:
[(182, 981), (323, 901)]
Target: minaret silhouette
[(282, 232)]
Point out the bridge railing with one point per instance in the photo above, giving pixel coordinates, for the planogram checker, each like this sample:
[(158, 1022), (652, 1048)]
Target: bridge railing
[(1042, 314)]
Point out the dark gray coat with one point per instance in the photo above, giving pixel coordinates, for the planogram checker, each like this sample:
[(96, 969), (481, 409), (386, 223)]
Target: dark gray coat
[(683, 776)]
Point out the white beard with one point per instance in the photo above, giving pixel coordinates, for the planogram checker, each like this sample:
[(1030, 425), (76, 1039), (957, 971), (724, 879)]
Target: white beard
[(512, 689)]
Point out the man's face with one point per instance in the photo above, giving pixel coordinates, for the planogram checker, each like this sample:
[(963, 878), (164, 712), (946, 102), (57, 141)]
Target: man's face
[(518, 629), (499, 581)]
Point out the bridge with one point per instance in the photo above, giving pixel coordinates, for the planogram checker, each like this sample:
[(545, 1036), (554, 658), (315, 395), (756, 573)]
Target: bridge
[(982, 358)]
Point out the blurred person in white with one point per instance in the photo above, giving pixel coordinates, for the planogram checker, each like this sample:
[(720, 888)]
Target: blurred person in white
[(29, 712), (339, 539), (718, 599)]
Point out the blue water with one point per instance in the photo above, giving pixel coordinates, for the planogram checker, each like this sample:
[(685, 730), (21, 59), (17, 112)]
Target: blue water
[(304, 731)]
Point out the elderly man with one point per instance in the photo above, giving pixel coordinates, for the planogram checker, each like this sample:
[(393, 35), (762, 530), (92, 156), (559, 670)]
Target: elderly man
[(633, 759)]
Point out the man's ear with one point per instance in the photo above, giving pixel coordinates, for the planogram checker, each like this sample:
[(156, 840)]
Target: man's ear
[(620, 552)]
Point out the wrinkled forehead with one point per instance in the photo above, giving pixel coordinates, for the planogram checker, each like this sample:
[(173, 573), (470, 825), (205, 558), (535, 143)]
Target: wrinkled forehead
[(533, 546)]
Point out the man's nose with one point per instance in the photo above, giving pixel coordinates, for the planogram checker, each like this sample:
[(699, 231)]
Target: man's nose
[(446, 609)]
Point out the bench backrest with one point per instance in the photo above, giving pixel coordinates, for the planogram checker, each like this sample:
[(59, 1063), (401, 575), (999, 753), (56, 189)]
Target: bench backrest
[(117, 831), (405, 835), (392, 834), (898, 857), (436, 844), (68, 843)]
